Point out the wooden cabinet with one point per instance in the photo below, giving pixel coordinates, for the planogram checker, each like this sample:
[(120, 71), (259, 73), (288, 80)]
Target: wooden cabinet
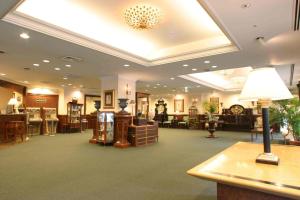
[(121, 124), (143, 135), (74, 116)]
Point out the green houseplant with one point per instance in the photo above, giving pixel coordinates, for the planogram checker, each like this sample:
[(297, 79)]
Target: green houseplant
[(286, 113), (211, 109)]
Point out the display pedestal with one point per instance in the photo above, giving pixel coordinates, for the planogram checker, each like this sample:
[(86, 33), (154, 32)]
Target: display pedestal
[(94, 139), (122, 121)]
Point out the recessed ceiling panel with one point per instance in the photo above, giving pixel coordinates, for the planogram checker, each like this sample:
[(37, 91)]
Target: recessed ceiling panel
[(224, 80), (185, 31)]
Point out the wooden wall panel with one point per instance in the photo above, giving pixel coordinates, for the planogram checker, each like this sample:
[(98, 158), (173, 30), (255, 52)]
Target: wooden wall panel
[(48, 101)]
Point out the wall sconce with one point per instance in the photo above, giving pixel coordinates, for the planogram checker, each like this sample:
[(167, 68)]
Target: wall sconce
[(127, 90)]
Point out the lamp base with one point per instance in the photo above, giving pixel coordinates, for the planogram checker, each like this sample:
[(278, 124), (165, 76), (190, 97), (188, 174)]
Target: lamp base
[(267, 158)]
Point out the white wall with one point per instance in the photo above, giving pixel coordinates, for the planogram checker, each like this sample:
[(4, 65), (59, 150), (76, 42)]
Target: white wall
[(118, 84)]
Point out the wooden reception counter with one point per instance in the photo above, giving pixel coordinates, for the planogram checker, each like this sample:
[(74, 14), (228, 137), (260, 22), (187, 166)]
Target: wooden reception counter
[(239, 177), (10, 117)]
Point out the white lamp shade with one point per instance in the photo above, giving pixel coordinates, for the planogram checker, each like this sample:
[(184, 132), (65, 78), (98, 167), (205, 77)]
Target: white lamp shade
[(13, 101), (264, 84)]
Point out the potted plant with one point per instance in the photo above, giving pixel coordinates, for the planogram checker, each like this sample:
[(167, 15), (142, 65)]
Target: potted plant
[(210, 109), (286, 113)]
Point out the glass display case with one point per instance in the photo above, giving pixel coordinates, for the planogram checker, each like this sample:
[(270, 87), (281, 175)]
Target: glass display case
[(106, 127), (34, 120), (74, 116), (50, 120)]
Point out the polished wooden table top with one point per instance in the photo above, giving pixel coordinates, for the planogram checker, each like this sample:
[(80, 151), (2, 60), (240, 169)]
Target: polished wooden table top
[(236, 166)]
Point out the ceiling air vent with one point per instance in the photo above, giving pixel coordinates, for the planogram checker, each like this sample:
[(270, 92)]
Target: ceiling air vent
[(72, 59), (2, 52)]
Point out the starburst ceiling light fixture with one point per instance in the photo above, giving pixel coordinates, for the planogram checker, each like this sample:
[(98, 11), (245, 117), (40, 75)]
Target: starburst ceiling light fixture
[(142, 16)]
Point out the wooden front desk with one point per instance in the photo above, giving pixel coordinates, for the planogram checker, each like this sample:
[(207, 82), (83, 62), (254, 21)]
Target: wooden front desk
[(238, 176), (11, 117)]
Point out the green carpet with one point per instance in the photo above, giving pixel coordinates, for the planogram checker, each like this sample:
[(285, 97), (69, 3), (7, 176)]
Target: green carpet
[(68, 167)]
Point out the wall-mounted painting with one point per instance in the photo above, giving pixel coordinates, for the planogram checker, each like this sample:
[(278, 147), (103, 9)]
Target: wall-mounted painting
[(215, 100), (178, 105), (109, 99)]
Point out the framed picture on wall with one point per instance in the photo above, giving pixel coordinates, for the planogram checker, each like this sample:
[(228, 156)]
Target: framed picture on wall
[(109, 99), (178, 105), (215, 100)]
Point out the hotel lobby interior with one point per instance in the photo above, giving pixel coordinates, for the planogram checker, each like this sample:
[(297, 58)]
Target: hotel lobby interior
[(149, 99)]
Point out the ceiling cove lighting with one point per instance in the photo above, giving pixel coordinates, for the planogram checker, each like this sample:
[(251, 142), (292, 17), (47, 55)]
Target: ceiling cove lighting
[(142, 16), (24, 36)]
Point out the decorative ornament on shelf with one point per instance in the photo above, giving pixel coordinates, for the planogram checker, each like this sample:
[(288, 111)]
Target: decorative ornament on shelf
[(123, 104), (97, 105), (142, 16), (264, 85)]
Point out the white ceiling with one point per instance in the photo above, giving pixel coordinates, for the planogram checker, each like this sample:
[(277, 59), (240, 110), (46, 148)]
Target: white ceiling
[(271, 18), (100, 25)]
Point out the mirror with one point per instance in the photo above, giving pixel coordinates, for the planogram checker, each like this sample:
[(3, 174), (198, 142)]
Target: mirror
[(142, 105), (90, 102)]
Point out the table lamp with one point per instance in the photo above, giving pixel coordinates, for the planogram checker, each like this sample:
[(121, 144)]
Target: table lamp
[(13, 102), (264, 85)]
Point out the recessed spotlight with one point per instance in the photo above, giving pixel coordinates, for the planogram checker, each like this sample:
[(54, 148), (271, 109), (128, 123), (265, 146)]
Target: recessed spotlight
[(2, 74), (158, 84), (57, 69), (198, 86), (194, 69), (24, 36), (206, 61), (25, 82), (69, 84), (154, 87), (172, 78), (46, 61), (65, 78), (165, 86), (214, 66), (68, 66), (36, 65), (246, 5), (126, 65), (174, 90), (81, 86), (62, 85), (148, 85), (146, 90), (185, 65)]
